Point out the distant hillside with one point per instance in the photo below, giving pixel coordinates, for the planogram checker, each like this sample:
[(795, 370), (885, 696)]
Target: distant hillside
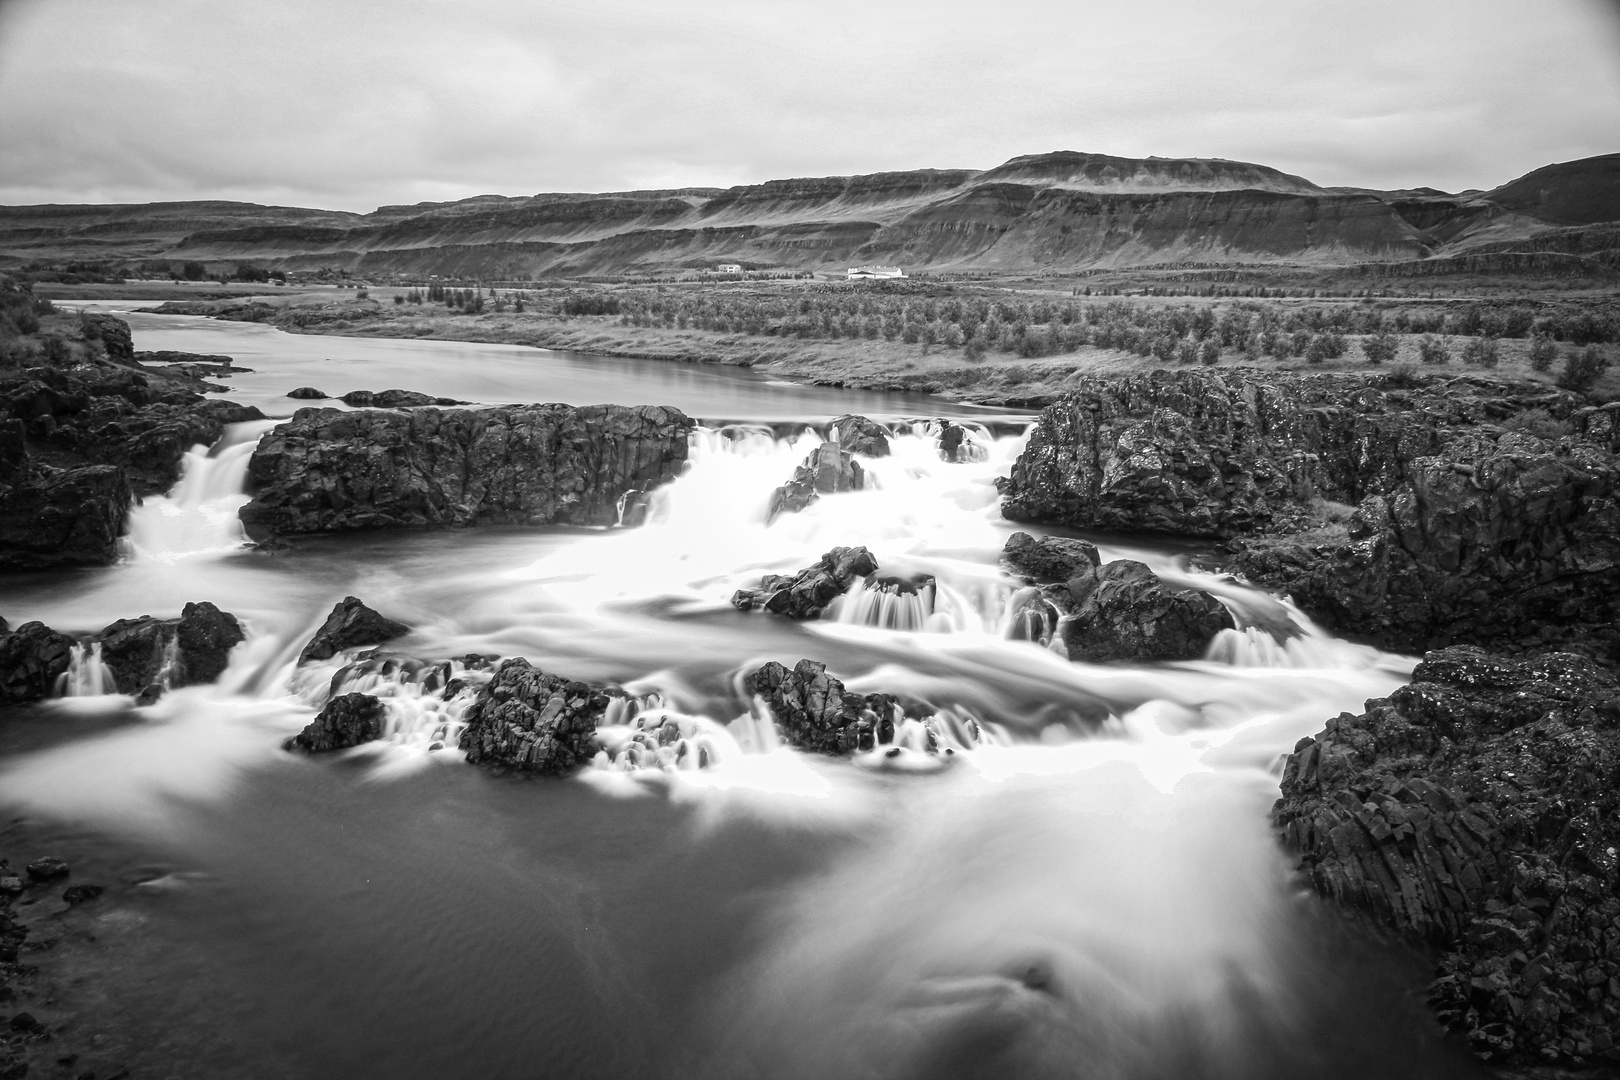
[(1057, 211)]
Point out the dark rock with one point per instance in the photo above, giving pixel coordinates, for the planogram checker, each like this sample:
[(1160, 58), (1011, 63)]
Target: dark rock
[(533, 721), (827, 469), (81, 894), (1049, 558), (1476, 809), (25, 1024), (206, 635), (47, 869), (1122, 611), (861, 436), (331, 470), (351, 623), (32, 658), (307, 393), (394, 399), (13, 450), (957, 446), (114, 335), (58, 518), (147, 655), (813, 711), (1467, 530), (347, 720), (807, 593)]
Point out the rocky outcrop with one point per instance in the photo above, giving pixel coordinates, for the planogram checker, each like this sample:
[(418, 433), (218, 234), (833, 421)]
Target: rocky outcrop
[(535, 722), (807, 594), (347, 720), (1476, 809), (307, 393), (1123, 611), (859, 435), (392, 399), (1468, 526), (77, 443), (148, 655), (1049, 558), (813, 711), (329, 470), (827, 470), (956, 445), (349, 625), (32, 658)]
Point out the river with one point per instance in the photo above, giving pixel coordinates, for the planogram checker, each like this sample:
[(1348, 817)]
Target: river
[(1091, 890)]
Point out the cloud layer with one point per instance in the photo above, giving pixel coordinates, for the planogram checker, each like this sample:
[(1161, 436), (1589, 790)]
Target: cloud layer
[(358, 104)]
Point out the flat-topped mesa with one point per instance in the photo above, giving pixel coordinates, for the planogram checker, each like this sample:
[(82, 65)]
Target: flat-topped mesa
[(328, 470), (1481, 507)]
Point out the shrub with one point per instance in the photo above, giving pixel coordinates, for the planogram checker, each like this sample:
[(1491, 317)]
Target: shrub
[(1542, 352), (1210, 352), (1318, 350), (1403, 377), (1482, 352), (1538, 422), (1380, 348), (1583, 369), (1187, 351), (1432, 350)]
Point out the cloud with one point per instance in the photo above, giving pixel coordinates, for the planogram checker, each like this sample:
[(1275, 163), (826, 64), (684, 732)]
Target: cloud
[(354, 105)]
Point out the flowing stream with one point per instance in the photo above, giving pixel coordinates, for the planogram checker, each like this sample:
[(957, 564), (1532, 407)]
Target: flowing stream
[(1088, 887)]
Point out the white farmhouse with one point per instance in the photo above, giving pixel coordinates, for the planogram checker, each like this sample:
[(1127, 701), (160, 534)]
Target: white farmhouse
[(728, 268), (863, 273)]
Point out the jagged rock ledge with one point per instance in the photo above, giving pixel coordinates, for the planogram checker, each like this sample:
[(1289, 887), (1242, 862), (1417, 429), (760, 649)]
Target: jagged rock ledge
[(1412, 515), (330, 470), (1476, 809)]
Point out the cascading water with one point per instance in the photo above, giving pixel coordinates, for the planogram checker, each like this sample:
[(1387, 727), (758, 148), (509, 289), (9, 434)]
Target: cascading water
[(1085, 879), (87, 675)]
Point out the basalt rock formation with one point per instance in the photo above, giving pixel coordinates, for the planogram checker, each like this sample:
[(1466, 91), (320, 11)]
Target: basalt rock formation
[(861, 436), (327, 470), (535, 722), (1469, 525), (1123, 611), (347, 720), (392, 399), (957, 446), (1049, 558), (1477, 809), (79, 441), (32, 658), (306, 393), (806, 594), (350, 624), (826, 470), (813, 711), (147, 655)]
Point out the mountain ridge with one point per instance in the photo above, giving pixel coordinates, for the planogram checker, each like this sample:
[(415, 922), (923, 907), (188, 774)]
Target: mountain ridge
[(1056, 211)]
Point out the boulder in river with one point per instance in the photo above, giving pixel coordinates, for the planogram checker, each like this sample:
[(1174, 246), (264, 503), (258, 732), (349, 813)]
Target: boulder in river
[(957, 446), (62, 517), (1475, 809), (1049, 558), (859, 435), (347, 720), (147, 654), (807, 594), (813, 711), (826, 470), (350, 624), (308, 393), (32, 658), (1123, 611), (533, 721), (330, 470), (394, 399)]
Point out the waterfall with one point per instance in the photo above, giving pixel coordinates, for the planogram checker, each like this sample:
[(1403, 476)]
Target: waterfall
[(86, 675), (199, 514)]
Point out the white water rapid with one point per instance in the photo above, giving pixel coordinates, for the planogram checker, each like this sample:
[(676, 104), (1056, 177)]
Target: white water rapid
[(1087, 885)]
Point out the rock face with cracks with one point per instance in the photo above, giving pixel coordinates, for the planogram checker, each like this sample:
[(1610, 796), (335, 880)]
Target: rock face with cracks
[(328, 470), (347, 720), (807, 594), (32, 658), (351, 623), (1478, 809), (813, 711), (535, 722), (1049, 558), (859, 435), (145, 655), (828, 469), (1123, 611)]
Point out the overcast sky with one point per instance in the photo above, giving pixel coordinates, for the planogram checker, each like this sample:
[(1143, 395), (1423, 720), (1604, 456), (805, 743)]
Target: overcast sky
[(353, 104)]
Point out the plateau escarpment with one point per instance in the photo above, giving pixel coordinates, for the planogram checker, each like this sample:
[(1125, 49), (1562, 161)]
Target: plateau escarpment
[(1057, 211)]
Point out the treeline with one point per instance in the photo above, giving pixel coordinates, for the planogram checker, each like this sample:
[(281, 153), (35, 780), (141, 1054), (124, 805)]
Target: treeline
[(1041, 327), (114, 272)]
